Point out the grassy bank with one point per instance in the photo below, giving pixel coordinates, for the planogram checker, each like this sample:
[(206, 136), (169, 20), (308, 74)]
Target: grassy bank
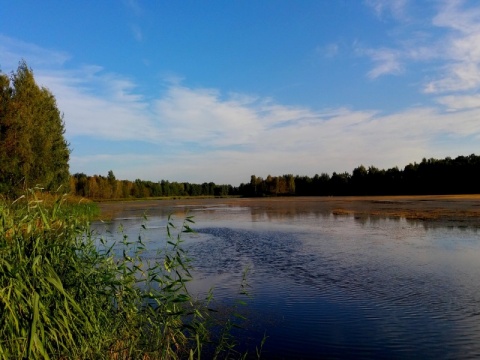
[(66, 294)]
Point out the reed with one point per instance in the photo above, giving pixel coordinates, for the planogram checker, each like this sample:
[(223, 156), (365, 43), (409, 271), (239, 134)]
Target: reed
[(66, 293)]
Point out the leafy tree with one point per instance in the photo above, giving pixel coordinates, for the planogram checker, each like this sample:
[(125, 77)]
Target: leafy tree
[(359, 180), (290, 180), (33, 150), (111, 177)]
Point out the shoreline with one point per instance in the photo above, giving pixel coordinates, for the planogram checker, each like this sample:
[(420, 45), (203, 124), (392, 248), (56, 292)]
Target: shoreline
[(458, 209)]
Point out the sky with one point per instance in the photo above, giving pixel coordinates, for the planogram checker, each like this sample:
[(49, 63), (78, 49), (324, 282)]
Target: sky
[(216, 90)]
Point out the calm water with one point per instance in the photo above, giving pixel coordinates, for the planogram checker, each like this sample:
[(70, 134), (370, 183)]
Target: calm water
[(341, 287)]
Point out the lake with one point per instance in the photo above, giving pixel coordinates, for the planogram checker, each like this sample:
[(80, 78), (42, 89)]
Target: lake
[(329, 286)]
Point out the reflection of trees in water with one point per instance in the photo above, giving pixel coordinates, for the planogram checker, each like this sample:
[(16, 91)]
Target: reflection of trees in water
[(428, 213), (461, 224), (287, 213)]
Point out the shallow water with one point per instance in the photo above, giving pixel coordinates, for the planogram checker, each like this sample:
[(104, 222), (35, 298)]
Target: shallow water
[(324, 286)]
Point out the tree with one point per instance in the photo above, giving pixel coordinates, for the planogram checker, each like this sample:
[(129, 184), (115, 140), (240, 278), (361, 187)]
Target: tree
[(253, 185), (111, 178), (290, 184), (359, 180), (33, 150)]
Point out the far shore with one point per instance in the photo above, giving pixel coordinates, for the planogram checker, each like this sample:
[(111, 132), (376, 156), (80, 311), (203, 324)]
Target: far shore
[(454, 209)]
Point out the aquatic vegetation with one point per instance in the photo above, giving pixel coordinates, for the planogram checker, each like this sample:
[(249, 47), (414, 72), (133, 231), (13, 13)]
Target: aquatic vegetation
[(66, 293)]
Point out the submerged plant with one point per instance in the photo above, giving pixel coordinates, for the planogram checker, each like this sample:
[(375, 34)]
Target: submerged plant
[(66, 293)]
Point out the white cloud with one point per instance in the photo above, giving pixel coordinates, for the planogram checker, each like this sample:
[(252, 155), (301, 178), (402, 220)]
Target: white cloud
[(201, 116), (277, 139), (448, 43), (339, 142), (460, 102), (387, 61), (461, 51), (241, 135), (97, 105), (452, 15)]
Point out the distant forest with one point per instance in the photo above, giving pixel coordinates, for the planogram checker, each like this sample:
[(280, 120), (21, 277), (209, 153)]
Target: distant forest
[(108, 187), (445, 176), (431, 176)]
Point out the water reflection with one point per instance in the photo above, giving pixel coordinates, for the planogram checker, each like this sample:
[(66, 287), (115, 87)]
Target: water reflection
[(337, 286)]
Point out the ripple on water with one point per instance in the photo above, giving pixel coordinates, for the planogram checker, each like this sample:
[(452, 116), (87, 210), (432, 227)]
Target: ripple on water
[(341, 298), (328, 287)]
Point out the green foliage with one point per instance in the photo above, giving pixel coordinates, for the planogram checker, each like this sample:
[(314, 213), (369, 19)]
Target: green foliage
[(67, 294), (101, 187), (33, 150), (445, 176)]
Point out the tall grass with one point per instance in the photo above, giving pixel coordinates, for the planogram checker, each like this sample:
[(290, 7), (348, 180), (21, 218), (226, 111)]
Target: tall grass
[(67, 294)]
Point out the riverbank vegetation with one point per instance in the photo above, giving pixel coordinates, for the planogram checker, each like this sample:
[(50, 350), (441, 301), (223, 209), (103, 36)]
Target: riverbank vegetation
[(65, 293)]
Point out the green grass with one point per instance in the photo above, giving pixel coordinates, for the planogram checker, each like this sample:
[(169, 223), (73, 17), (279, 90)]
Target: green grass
[(66, 294)]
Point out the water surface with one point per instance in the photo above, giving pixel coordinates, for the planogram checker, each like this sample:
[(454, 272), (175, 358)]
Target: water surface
[(325, 286)]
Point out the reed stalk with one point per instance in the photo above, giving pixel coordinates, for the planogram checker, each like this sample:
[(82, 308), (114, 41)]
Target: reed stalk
[(66, 293)]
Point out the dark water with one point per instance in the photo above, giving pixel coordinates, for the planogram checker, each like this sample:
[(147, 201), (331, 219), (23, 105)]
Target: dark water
[(338, 287)]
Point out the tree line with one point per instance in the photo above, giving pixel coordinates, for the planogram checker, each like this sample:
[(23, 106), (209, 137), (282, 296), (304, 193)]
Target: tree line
[(108, 187), (431, 176)]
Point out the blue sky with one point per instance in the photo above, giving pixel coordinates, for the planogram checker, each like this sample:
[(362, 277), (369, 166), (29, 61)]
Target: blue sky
[(219, 90)]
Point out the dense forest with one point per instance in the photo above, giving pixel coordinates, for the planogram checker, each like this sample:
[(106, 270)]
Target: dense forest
[(431, 176), (108, 187), (33, 151), (445, 176)]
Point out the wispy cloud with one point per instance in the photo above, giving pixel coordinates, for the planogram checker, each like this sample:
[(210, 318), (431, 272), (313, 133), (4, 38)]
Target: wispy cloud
[(14, 50), (134, 7), (136, 10), (137, 32), (329, 51), (394, 7), (460, 102), (461, 51), (448, 44), (387, 62)]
